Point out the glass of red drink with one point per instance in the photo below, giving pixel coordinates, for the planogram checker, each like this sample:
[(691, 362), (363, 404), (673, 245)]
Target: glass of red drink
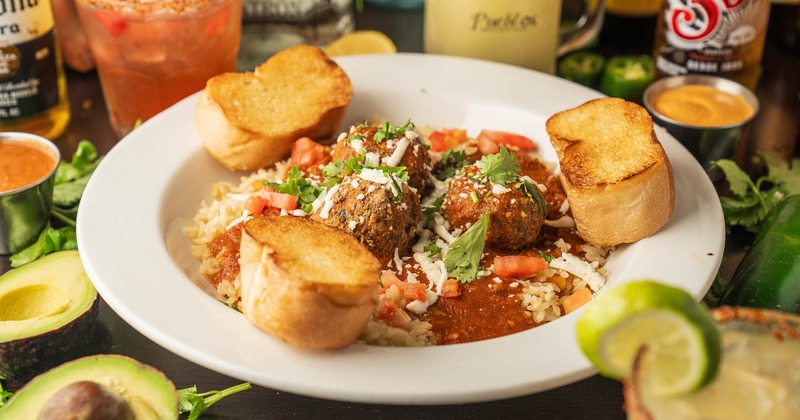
[(150, 55)]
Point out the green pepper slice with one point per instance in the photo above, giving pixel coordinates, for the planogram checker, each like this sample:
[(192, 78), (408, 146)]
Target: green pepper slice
[(769, 274), (627, 76), (582, 67)]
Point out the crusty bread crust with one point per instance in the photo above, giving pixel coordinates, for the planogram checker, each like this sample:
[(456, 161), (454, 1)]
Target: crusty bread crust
[(306, 283), (250, 120), (616, 175)]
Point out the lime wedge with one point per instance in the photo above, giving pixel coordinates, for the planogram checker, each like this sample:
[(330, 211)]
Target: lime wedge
[(361, 42), (680, 334)]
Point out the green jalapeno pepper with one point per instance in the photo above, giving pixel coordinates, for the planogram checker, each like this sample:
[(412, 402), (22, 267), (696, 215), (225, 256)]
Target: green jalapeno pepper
[(769, 274), (582, 67), (627, 76)]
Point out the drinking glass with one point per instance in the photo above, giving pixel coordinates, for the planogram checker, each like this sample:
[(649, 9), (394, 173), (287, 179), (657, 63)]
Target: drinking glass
[(150, 55), (529, 33), (758, 377)]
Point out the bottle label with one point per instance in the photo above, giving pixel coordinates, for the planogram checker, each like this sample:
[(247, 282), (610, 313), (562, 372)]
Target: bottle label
[(28, 77), (712, 36)]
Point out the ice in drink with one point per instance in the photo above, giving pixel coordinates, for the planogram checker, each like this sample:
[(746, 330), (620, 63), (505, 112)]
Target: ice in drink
[(150, 55)]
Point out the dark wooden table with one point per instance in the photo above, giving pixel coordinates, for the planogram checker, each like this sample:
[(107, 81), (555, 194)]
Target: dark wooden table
[(776, 127)]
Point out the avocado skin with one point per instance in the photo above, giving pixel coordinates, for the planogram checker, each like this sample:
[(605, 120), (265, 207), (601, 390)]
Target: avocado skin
[(22, 359), (149, 393)]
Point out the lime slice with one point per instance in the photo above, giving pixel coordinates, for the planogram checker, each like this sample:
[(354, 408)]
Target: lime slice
[(680, 334), (361, 42)]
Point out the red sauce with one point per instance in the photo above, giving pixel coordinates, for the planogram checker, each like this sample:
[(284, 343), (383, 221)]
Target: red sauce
[(23, 163)]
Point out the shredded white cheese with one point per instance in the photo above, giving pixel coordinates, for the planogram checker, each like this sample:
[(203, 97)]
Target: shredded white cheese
[(398, 153), (328, 202), (499, 189), (579, 268)]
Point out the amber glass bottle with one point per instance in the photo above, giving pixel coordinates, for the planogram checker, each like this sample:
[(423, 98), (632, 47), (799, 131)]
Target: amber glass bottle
[(722, 38), (33, 86)]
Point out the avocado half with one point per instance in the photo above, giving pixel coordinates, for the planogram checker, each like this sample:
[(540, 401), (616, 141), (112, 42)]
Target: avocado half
[(149, 393), (48, 310)]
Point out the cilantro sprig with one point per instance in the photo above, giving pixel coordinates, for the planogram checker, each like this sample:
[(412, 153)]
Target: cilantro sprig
[(463, 259), (501, 168), (752, 200), (195, 403)]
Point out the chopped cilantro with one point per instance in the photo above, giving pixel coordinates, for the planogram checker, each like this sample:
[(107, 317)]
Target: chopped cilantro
[(463, 259), (388, 131), (501, 168), (753, 200), (300, 187), (545, 257), (437, 205), (452, 162), (432, 249)]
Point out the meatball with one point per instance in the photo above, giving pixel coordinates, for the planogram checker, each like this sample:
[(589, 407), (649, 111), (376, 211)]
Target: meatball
[(372, 212), (515, 218), (361, 139)]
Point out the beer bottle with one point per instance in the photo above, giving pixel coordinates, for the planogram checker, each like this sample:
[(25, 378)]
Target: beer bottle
[(33, 87), (723, 38), (630, 24)]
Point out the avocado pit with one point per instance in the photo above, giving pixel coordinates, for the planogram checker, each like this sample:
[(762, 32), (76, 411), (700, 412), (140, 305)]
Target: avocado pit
[(86, 400)]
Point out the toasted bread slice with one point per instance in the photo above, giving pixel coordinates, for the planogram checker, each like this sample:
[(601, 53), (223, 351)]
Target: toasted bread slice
[(615, 172), (306, 283), (250, 120)]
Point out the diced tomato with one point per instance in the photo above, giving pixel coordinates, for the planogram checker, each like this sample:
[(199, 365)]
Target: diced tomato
[(281, 201), (307, 153), (255, 204), (451, 288), (503, 138), (486, 146), (518, 265), (412, 291), (114, 23), (446, 139), (218, 23)]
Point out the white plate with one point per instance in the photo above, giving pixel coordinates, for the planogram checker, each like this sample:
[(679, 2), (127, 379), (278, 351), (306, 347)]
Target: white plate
[(152, 182)]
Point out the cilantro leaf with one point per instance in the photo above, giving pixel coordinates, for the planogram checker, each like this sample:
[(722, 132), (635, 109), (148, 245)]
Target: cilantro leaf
[(194, 403), (501, 168), (49, 241), (534, 194), (437, 205), (784, 174), (388, 131), (84, 161), (462, 260)]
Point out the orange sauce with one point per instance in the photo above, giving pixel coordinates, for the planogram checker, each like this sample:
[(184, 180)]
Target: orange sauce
[(704, 106), (23, 163)]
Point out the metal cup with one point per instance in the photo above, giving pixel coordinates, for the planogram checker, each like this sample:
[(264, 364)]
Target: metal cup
[(706, 144), (25, 212)]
